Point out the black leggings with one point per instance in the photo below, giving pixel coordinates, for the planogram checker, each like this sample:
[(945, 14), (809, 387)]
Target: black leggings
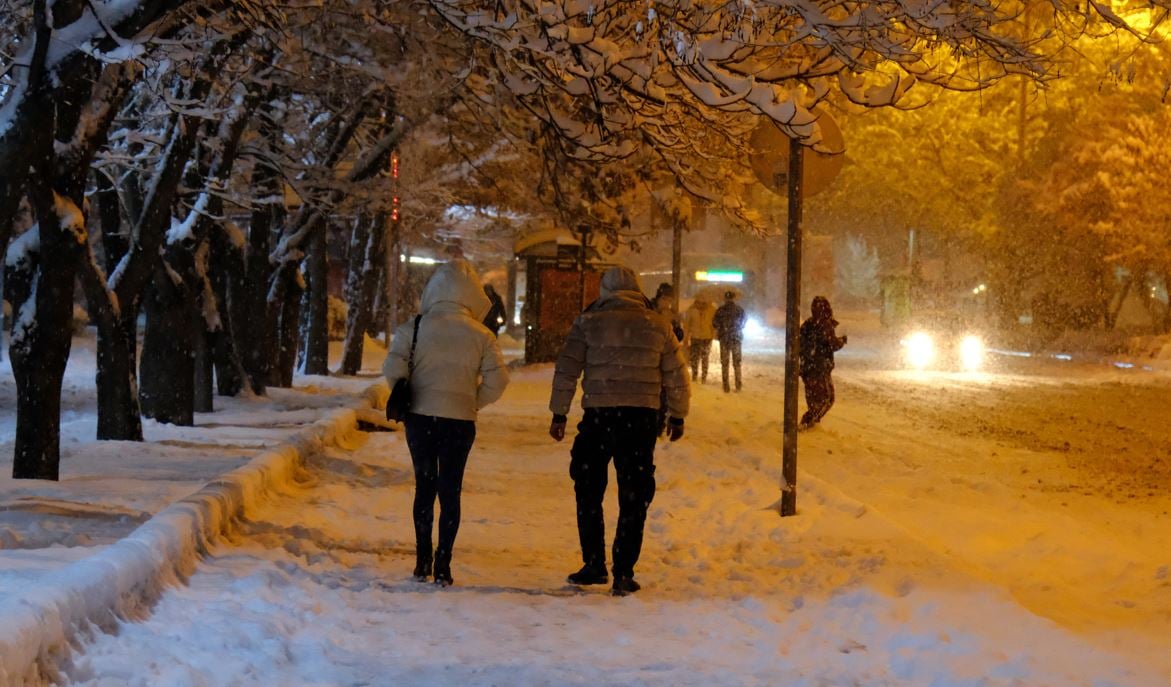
[(439, 451)]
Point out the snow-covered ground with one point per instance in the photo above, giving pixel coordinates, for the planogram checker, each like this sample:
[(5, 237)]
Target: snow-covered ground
[(1007, 528), (109, 488)]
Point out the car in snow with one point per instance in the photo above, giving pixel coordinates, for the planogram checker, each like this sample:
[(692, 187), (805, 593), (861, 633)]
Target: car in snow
[(943, 342)]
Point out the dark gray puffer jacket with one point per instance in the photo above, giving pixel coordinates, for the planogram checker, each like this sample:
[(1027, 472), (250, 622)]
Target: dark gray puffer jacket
[(626, 352)]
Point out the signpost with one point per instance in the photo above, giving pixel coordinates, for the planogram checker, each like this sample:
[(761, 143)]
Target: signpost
[(799, 177)]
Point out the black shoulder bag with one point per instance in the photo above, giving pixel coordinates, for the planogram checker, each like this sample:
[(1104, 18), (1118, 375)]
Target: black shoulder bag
[(399, 403)]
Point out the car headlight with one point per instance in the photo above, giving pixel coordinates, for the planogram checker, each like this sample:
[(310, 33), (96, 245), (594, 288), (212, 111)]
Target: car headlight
[(919, 350), (972, 352)]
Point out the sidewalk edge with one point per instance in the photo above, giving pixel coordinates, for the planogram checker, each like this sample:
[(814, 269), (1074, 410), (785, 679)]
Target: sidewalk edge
[(40, 628)]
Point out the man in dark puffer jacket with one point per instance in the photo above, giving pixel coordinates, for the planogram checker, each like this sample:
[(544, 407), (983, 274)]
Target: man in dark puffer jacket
[(628, 355)]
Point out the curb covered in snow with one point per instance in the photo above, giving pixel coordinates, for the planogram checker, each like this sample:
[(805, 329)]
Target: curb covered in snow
[(39, 626)]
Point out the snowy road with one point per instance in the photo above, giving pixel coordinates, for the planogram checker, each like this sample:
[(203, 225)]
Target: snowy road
[(947, 536)]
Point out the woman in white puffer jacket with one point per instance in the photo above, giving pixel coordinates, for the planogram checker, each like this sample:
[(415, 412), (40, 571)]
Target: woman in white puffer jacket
[(458, 369)]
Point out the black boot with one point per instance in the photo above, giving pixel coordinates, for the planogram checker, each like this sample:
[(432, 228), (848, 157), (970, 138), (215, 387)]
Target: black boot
[(443, 573), (624, 586), (589, 575), (422, 568)]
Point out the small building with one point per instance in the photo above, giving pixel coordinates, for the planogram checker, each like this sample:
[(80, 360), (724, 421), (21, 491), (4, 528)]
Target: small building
[(555, 288)]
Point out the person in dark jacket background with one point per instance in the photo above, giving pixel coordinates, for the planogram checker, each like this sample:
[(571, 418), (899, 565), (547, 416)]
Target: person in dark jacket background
[(497, 316), (818, 343), (729, 323), (625, 354)]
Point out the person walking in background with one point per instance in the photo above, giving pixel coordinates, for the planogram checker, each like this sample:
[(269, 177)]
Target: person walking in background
[(818, 343), (729, 325), (698, 334), (497, 316), (664, 304), (627, 354), (457, 370)]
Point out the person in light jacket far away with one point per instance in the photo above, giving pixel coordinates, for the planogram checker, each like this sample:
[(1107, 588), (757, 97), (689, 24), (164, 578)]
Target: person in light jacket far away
[(697, 324), (627, 353), (458, 370), (817, 346), (729, 325)]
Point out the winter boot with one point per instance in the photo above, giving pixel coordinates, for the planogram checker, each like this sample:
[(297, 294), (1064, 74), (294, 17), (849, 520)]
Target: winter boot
[(422, 569), (624, 586), (443, 575), (589, 575)]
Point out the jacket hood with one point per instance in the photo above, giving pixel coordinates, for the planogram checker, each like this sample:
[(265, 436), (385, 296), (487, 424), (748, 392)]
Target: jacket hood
[(456, 282), (821, 309), (618, 279)]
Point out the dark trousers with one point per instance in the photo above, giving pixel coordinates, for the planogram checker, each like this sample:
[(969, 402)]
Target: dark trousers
[(701, 350), (819, 396), (439, 451), (628, 436), (730, 348)]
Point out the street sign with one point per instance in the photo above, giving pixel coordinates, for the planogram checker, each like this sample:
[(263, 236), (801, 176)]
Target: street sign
[(770, 156)]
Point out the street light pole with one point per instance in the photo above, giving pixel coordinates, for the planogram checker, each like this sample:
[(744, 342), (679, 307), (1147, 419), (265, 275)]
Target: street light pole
[(792, 332), (676, 260), (584, 230)]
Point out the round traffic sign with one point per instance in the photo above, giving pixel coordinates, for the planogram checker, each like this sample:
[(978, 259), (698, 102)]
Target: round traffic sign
[(769, 156)]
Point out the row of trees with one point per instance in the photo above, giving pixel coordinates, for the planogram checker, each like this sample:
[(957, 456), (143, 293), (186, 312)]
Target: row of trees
[(184, 161), (1058, 185)]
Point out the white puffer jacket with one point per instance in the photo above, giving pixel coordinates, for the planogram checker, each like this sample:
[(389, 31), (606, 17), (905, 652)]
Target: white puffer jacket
[(458, 365)]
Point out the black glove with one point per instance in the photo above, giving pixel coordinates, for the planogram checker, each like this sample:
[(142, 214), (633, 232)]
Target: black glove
[(557, 427), (675, 428)]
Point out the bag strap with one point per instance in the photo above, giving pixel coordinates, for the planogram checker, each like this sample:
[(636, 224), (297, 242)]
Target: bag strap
[(414, 340)]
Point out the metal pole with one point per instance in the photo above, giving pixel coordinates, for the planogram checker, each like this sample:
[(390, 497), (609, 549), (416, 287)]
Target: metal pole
[(581, 266), (792, 333), (393, 266), (510, 313), (676, 260)]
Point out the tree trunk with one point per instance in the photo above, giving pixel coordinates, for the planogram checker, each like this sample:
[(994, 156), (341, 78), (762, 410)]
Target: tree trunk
[(257, 344), (1116, 307), (42, 302), (290, 307), (317, 314), (227, 271), (281, 320), (118, 413), (355, 325), (1166, 324), (207, 323), (367, 252), (168, 359), (203, 400)]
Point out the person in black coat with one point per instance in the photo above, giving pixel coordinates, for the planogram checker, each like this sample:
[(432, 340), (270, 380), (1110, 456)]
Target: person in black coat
[(497, 315), (729, 323), (818, 343)]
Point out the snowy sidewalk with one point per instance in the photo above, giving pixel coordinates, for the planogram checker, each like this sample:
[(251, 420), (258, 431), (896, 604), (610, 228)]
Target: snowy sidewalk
[(123, 520), (314, 588)]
